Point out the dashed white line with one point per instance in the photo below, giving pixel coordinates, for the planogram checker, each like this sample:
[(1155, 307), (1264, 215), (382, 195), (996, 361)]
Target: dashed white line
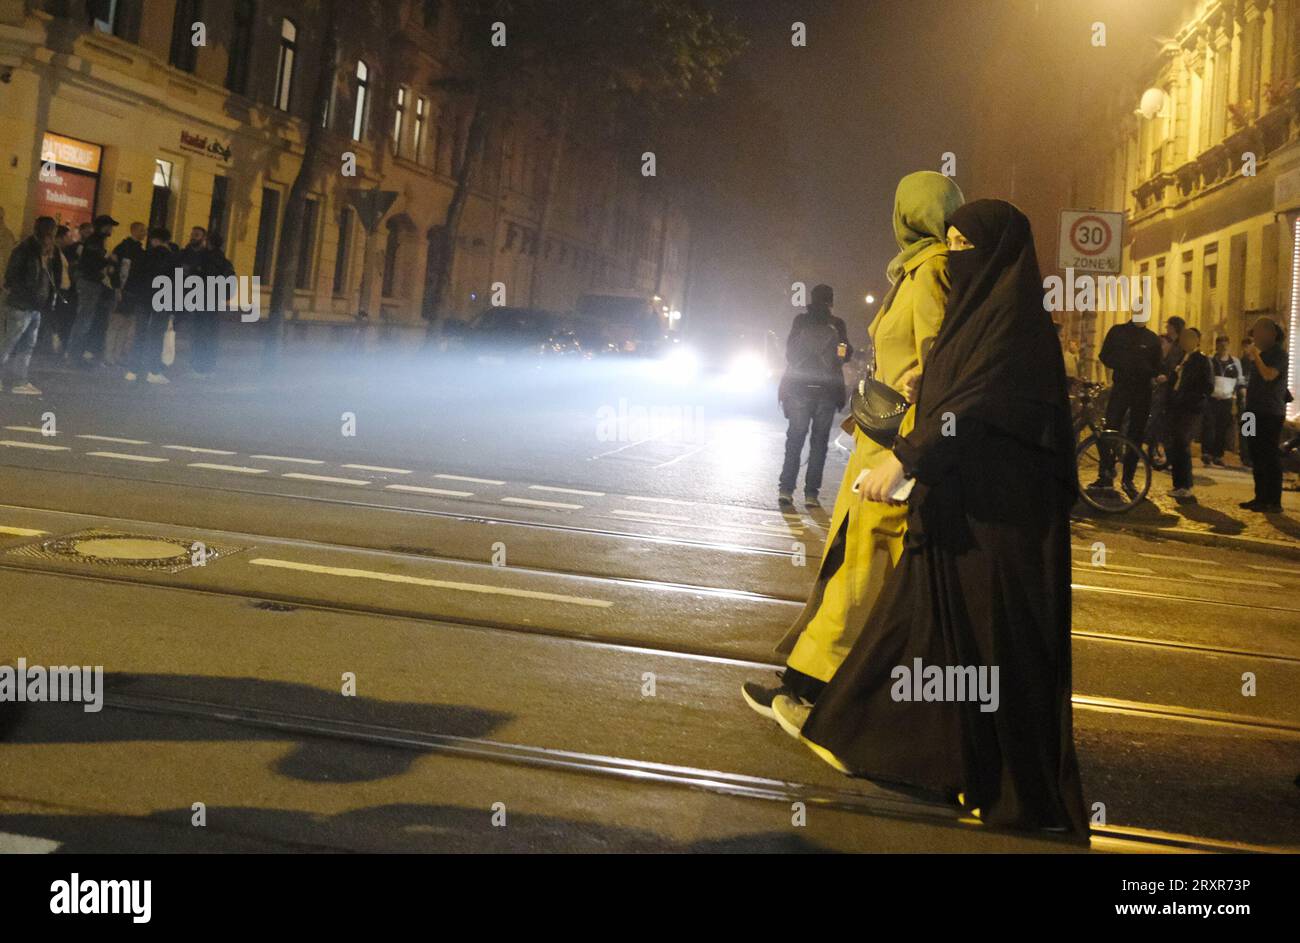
[(559, 505), (109, 438), (35, 445), (127, 457), (1234, 580), (238, 469), (198, 451), (478, 481), (379, 468), (326, 478), (1274, 569), (442, 492), (25, 429), (589, 494), (483, 588), (20, 531), (1117, 570), (1170, 556), (637, 497), (285, 458), (649, 515)]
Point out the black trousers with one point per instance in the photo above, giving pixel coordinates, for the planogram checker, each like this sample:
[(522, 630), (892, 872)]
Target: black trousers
[(811, 416), (1182, 429), (1127, 412), (1214, 436), (203, 340), (1266, 459)]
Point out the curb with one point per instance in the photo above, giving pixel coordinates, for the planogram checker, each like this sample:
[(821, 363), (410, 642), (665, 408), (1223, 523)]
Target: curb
[(1286, 549)]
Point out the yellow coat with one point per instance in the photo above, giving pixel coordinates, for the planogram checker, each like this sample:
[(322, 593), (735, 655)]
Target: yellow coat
[(865, 538)]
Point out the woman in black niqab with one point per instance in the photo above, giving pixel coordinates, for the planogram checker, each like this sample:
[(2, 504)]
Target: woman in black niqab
[(984, 581)]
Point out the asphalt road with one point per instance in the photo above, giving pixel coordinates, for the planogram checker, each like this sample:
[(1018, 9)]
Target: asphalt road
[(546, 589)]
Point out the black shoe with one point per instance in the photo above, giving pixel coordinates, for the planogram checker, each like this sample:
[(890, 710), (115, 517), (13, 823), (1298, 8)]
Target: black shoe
[(785, 501), (760, 698), (810, 500), (1102, 484), (1269, 508), (1131, 490), (1252, 505)]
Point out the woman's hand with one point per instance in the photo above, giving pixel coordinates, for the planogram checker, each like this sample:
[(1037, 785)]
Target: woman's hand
[(880, 483), (911, 383)]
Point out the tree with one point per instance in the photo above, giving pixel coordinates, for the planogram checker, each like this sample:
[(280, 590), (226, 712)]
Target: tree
[(587, 59)]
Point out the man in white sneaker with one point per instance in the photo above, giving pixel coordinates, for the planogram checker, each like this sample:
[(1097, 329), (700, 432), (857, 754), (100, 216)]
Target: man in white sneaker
[(158, 261), (30, 286)]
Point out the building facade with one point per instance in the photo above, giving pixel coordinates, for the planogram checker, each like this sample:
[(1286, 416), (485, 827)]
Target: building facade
[(186, 113), (1209, 182)]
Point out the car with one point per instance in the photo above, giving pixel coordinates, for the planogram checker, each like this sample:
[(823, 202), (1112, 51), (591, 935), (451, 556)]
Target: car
[(501, 334)]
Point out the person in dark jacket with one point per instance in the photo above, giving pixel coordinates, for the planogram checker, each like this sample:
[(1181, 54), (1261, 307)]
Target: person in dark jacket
[(57, 318), (159, 261), (1218, 411), (212, 264), (1190, 388), (1132, 352), (1266, 399), (811, 392), (131, 293), (95, 265), (30, 287)]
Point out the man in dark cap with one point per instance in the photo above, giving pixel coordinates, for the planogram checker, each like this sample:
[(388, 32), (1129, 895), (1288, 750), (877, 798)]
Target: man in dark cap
[(811, 392), (95, 265)]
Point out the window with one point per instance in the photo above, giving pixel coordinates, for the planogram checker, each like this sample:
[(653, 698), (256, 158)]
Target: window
[(399, 114), (284, 68), (119, 18), (390, 261), (343, 250), (241, 47), (359, 115), (264, 254), (161, 204), (184, 54), (217, 211), (421, 123), (306, 244)]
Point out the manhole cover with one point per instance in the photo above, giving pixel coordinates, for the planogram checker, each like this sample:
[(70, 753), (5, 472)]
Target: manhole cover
[(115, 548)]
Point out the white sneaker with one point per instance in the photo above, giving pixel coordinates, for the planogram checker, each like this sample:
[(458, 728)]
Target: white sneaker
[(791, 713), (26, 389), (1181, 493), (130, 376), (156, 378)]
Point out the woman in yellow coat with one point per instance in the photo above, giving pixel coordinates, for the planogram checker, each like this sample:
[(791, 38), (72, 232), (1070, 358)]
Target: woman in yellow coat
[(866, 537)]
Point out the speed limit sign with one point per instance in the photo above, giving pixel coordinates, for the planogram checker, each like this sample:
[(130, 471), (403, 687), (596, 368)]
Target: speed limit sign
[(1091, 241)]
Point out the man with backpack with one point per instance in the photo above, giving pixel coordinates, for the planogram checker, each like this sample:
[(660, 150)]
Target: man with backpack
[(811, 392)]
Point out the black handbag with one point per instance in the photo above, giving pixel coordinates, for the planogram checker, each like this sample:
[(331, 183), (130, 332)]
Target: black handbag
[(877, 410)]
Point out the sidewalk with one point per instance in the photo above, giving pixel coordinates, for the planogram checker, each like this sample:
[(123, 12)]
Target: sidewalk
[(1212, 517)]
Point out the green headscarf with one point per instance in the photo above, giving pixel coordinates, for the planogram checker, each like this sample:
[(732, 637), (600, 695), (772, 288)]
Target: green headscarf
[(922, 205)]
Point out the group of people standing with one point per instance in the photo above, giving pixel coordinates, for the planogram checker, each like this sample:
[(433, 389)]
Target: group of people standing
[(92, 305), (1166, 390), (934, 651)]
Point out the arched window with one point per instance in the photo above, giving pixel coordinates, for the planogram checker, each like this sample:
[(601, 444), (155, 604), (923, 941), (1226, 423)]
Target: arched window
[(284, 68), (363, 88)]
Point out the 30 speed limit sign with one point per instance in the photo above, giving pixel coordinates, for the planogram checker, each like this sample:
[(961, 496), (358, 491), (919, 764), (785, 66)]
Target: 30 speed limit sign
[(1091, 241)]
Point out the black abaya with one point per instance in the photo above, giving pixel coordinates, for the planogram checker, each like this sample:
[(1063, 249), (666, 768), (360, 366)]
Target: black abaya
[(985, 578)]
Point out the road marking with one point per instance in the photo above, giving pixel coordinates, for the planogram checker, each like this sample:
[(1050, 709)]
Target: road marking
[(126, 457), (642, 515), (479, 481), (191, 448), (282, 458), (423, 581), (11, 844), (109, 438), (590, 494), (240, 469), (20, 531), (1233, 579), (559, 505), (1274, 569), (325, 478), (674, 461), (35, 445), (637, 497), (416, 489), (1121, 570), (1170, 556), (25, 429), (379, 468)]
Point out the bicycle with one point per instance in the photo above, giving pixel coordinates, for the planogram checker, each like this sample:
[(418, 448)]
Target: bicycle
[(1096, 456)]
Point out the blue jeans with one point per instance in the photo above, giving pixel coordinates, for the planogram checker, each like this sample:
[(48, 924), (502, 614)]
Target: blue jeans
[(21, 328), (811, 417)]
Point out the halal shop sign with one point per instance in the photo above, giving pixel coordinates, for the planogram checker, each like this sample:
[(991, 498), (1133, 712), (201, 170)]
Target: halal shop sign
[(1091, 241)]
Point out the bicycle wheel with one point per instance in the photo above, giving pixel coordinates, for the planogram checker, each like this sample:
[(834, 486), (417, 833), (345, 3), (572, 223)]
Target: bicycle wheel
[(1098, 458)]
